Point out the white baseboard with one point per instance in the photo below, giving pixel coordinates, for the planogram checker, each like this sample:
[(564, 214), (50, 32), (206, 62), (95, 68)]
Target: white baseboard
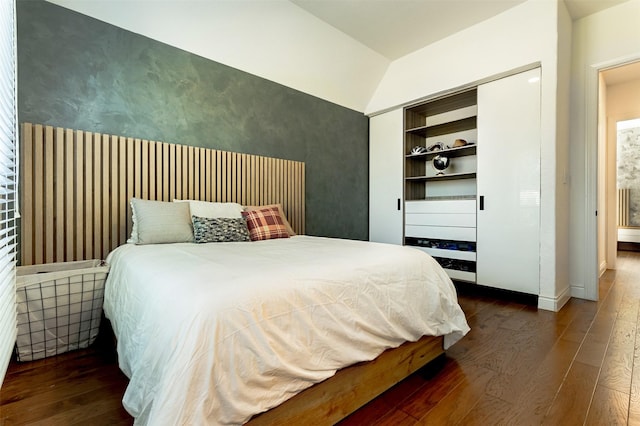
[(556, 303), (603, 268), (578, 292)]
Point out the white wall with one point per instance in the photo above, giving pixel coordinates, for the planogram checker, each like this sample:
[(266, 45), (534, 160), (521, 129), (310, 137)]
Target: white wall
[(514, 39), (604, 212), (275, 40), (599, 40), (562, 178)]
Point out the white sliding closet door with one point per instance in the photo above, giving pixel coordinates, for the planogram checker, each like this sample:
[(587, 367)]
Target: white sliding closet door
[(508, 220), (385, 177)]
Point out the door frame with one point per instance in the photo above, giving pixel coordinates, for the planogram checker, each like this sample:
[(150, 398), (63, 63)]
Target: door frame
[(592, 120)]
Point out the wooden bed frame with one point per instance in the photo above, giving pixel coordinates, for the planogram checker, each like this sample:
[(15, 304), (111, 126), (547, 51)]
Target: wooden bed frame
[(75, 188), (352, 387)]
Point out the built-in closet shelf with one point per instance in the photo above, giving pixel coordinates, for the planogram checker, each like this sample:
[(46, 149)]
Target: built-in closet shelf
[(444, 128), (450, 176), (440, 209), (460, 151)]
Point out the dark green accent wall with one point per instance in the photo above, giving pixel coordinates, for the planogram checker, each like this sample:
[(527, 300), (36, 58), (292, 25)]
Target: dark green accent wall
[(77, 72)]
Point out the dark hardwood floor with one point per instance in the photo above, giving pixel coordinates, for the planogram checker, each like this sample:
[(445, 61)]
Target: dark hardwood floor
[(518, 366)]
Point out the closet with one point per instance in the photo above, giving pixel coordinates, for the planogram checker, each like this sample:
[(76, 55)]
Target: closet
[(471, 175)]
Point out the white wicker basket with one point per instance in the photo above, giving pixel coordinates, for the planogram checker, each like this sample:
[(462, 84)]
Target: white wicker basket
[(59, 307)]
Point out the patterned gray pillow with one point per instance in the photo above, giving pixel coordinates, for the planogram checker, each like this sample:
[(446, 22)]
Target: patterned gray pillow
[(219, 229)]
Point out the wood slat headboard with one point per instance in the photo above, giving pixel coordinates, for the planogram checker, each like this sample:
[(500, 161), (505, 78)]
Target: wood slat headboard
[(75, 187)]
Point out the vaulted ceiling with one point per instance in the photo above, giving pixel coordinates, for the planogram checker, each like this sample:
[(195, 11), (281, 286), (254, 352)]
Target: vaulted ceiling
[(395, 28)]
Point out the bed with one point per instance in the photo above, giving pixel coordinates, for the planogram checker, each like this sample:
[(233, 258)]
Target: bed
[(216, 333), (356, 317)]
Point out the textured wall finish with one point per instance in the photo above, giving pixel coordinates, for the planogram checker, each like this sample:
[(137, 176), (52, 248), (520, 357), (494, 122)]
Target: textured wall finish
[(80, 73)]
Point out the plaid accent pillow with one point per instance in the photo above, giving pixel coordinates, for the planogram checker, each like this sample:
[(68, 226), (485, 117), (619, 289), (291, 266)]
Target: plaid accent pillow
[(265, 224)]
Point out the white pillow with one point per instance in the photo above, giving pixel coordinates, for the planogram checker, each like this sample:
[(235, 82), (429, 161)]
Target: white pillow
[(157, 222), (213, 210)]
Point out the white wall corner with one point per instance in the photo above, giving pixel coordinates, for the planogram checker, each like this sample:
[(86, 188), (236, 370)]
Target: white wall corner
[(555, 303), (578, 292), (602, 268)]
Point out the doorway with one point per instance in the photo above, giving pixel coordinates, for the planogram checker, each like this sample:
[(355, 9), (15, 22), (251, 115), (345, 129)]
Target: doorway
[(618, 186), (628, 183)]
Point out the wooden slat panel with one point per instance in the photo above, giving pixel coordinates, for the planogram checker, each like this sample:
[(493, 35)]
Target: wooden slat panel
[(69, 189), (208, 176), (122, 189), (152, 171), (27, 192), (243, 177), (288, 207), (76, 187), (171, 160), (218, 176), (224, 166), (48, 195), (38, 206), (269, 177), (203, 174), (59, 201), (137, 167), (160, 173), (148, 167), (165, 172), (190, 172), (96, 252), (290, 210), (88, 196), (129, 178), (287, 204), (178, 164), (114, 196), (231, 176), (252, 182), (258, 182), (105, 211), (78, 190)]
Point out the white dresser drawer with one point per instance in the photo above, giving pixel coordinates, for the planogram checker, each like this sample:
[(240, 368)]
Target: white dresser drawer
[(441, 232), (466, 220), (441, 206)]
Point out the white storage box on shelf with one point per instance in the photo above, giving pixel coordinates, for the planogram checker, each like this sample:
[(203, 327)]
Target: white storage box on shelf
[(59, 307)]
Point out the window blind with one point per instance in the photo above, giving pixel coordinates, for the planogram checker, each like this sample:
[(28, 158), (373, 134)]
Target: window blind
[(8, 183)]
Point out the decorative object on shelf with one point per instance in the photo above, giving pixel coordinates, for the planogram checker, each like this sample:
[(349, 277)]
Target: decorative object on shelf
[(459, 142), (440, 163), (417, 150), (438, 146)]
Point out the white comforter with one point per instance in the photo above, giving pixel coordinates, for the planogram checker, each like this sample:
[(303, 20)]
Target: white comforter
[(214, 333)]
